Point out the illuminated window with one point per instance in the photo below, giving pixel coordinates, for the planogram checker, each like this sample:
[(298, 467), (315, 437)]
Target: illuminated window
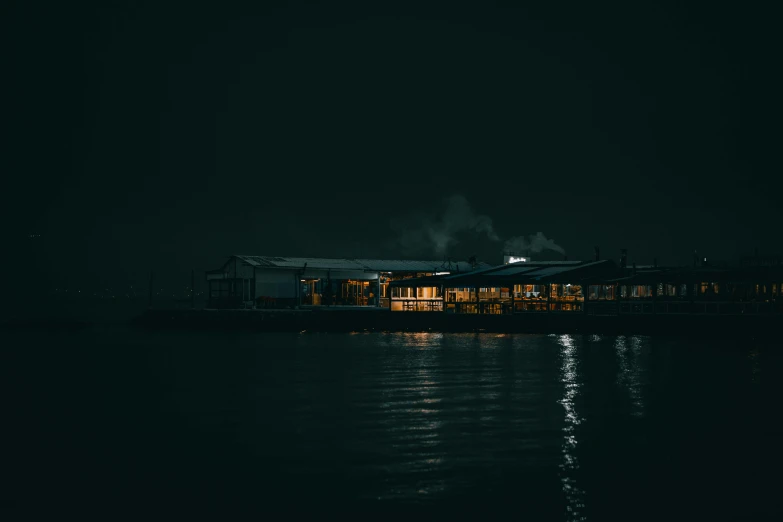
[(428, 292), (401, 292), (601, 292), (642, 291)]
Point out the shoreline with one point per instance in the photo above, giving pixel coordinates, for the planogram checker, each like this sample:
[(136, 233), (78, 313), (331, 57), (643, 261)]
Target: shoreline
[(385, 321)]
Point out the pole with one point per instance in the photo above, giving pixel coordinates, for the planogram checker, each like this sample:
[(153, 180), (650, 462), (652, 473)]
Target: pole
[(193, 289)]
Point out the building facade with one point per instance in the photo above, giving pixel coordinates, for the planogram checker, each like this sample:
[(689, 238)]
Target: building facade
[(597, 288), (286, 282)]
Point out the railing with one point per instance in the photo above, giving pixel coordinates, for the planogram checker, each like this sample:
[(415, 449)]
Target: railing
[(478, 308), (566, 306), (594, 308), (461, 308), (530, 306), (502, 308), (417, 305), (696, 307)]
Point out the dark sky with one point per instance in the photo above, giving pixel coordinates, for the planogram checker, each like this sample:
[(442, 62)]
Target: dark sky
[(140, 135)]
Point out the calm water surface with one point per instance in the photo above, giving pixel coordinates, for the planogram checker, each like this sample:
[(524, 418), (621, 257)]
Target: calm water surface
[(542, 427)]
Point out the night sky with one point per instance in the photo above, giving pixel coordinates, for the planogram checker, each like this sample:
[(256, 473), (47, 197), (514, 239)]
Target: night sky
[(140, 136)]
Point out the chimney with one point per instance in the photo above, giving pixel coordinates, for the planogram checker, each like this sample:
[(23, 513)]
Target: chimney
[(634, 269), (565, 257), (655, 262), (695, 259), (623, 258), (597, 253)]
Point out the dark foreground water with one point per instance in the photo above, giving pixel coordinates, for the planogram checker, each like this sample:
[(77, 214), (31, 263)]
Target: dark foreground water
[(109, 421)]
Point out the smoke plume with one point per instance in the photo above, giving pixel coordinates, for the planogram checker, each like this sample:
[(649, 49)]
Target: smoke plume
[(439, 234), (433, 233), (532, 244)]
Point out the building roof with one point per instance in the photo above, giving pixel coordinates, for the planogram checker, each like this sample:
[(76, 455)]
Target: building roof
[(371, 265), (699, 274), (299, 262), (515, 269), (519, 273), (404, 265), (560, 273)]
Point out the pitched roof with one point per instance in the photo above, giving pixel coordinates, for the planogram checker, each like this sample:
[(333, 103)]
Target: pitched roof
[(518, 273), (372, 265), (404, 265), (299, 262)]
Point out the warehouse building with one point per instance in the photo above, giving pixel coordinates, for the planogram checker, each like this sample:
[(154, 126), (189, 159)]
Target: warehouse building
[(287, 282)]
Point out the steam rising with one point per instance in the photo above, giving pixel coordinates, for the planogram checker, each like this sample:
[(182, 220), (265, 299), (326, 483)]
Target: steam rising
[(439, 234), (432, 234), (533, 244)]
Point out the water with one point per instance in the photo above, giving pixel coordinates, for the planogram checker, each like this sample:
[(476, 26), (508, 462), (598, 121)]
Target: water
[(109, 420)]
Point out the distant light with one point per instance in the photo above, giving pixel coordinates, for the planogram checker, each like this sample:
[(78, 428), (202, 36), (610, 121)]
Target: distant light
[(512, 259), (442, 273)]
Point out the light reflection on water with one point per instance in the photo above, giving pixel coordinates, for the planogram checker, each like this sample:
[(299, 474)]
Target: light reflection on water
[(421, 389), (569, 377), (629, 375), (540, 424)]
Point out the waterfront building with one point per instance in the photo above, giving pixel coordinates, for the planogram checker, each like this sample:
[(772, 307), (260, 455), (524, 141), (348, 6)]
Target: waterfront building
[(519, 286), (286, 282)]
